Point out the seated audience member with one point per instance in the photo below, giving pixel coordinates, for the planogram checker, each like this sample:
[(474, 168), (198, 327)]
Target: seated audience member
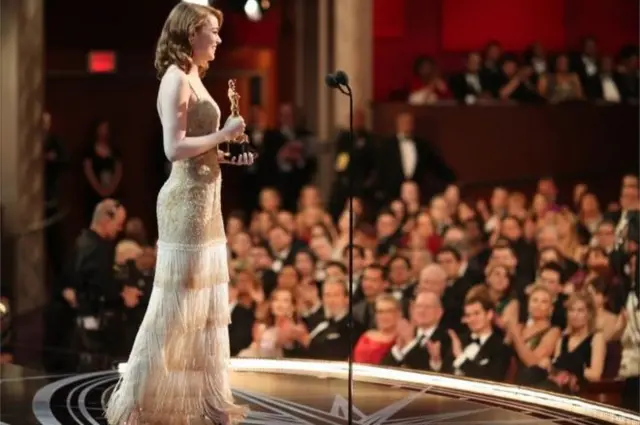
[(580, 353), (374, 344), (481, 353), (562, 85), (420, 337), (630, 363), (249, 289), (552, 277), (536, 339), (506, 305), (253, 350), (359, 262), (401, 284), (261, 262), (280, 320), (329, 339), (608, 323), (242, 321), (427, 87), (373, 285), (515, 84), (471, 85), (458, 285)]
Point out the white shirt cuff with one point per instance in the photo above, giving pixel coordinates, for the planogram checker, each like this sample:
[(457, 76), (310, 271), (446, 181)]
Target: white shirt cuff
[(435, 366), (459, 361), (397, 353)]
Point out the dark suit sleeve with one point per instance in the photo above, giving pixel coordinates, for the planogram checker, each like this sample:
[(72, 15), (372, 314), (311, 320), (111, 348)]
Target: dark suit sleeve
[(436, 164), (94, 281), (494, 370)]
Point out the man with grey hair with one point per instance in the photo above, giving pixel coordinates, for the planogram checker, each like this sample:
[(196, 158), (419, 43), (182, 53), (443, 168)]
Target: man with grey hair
[(93, 291)]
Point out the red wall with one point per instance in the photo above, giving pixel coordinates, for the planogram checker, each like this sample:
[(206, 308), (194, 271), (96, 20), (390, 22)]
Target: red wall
[(404, 29)]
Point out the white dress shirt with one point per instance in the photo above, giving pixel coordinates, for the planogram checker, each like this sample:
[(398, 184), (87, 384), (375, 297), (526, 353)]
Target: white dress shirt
[(471, 351), (422, 335), (408, 155)]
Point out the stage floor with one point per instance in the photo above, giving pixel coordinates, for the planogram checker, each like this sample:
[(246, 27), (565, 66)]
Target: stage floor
[(296, 392)]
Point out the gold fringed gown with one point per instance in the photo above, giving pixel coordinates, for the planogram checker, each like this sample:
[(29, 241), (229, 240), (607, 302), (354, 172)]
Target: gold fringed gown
[(177, 373)]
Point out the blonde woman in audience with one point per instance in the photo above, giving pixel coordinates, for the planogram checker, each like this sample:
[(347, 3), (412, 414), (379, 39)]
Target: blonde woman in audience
[(240, 250), (280, 321), (498, 282), (536, 339), (569, 242), (374, 344), (580, 353), (270, 200), (410, 195), (539, 207)]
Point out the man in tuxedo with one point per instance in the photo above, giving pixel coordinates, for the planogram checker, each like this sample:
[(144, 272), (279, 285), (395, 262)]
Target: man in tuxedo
[(329, 340), (363, 165), (481, 354), (407, 157), (282, 247), (425, 333), (358, 267), (629, 205), (472, 84), (373, 285), (459, 282), (242, 320)]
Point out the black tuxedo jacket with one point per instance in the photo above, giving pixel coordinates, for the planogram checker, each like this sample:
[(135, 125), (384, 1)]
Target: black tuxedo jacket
[(364, 314), (240, 329), (431, 172), (418, 357), (492, 361), (330, 339)]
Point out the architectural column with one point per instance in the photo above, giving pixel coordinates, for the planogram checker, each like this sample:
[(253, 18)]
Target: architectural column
[(353, 53), (21, 162)]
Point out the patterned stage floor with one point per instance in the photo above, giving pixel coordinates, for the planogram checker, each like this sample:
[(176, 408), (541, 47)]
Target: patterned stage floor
[(296, 392)]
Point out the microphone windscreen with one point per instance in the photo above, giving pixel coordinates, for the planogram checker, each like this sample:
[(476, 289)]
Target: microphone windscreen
[(342, 78), (330, 80)]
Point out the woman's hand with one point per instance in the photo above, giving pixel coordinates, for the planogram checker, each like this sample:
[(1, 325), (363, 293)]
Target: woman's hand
[(242, 159), (234, 127)]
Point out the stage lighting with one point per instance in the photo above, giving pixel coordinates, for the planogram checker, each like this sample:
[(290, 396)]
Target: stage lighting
[(253, 10)]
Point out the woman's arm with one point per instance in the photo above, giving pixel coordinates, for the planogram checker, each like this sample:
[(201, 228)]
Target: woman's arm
[(593, 373), (511, 312), (173, 103), (91, 177), (578, 86), (542, 86), (117, 177), (544, 350)]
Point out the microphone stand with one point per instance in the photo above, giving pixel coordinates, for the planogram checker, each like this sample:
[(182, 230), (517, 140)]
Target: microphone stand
[(350, 176)]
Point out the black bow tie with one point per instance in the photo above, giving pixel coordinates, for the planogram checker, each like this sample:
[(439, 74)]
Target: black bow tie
[(475, 340)]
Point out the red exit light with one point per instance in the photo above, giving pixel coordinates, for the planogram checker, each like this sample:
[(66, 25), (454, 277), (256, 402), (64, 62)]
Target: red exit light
[(103, 61)]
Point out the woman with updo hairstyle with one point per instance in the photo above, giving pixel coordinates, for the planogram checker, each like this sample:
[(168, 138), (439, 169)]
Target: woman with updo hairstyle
[(178, 369)]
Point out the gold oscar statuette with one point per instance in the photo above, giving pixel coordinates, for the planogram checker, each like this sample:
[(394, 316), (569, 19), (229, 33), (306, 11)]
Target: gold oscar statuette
[(234, 100)]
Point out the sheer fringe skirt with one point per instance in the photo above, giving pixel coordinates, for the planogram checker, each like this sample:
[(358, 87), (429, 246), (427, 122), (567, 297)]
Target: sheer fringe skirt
[(177, 373)]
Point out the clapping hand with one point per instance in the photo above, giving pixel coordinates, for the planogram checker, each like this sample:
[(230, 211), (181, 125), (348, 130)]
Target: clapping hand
[(456, 345), (434, 350)]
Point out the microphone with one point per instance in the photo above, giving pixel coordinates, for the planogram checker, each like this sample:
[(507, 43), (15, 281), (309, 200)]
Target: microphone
[(337, 79)]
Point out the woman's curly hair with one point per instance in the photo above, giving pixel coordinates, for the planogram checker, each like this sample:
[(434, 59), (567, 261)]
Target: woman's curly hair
[(174, 46)]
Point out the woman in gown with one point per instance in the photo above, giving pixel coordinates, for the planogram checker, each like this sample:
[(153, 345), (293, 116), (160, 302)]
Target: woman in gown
[(177, 373)]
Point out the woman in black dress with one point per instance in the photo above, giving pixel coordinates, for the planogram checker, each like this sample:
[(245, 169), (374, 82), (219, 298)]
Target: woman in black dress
[(102, 167)]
